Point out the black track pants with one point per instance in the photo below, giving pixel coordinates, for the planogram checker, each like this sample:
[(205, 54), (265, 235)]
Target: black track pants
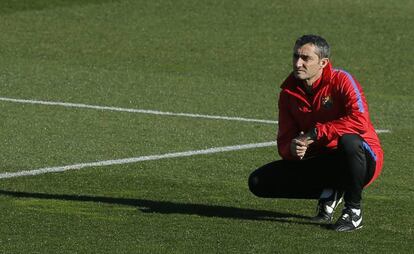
[(348, 168)]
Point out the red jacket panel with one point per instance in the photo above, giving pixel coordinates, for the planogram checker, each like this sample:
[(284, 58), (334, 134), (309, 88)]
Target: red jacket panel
[(336, 106)]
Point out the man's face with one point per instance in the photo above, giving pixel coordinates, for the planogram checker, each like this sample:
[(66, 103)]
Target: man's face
[(306, 63)]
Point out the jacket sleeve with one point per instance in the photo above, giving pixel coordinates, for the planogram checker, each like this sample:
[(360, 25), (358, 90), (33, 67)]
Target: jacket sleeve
[(355, 119), (288, 129)]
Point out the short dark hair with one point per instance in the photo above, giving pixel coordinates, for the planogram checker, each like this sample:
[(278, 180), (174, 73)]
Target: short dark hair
[(320, 43)]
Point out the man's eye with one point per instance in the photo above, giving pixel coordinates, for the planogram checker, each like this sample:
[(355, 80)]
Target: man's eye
[(304, 58)]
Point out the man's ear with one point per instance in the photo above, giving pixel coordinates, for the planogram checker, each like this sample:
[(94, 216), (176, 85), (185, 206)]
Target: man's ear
[(324, 62)]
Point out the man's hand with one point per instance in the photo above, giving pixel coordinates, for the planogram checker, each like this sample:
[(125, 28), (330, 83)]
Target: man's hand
[(299, 145)]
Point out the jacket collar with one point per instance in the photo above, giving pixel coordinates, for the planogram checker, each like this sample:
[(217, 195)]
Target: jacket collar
[(293, 83)]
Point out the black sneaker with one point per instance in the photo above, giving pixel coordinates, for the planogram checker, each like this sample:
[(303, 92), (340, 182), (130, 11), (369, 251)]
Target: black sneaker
[(326, 207), (350, 220)]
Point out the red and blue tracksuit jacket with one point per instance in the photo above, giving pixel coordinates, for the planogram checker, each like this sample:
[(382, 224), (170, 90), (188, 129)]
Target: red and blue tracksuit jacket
[(336, 106)]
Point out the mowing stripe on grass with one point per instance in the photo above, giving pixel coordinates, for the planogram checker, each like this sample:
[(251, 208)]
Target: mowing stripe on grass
[(142, 111), (133, 160)]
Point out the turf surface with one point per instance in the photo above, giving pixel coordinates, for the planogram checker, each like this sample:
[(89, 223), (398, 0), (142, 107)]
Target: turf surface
[(204, 57)]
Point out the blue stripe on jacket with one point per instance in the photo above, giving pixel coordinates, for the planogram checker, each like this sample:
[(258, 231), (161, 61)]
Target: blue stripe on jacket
[(358, 93)]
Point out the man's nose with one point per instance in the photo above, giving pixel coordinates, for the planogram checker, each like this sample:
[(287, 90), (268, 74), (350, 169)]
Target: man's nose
[(298, 62)]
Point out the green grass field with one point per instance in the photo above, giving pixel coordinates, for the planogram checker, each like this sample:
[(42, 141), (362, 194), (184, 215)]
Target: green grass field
[(224, 58)]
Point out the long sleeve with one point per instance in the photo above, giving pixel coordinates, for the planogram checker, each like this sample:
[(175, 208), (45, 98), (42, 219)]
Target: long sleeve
[(288, 129), (356, 118)]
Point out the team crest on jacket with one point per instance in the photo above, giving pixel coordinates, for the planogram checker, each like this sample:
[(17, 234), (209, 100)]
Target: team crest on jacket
[(327, 102)]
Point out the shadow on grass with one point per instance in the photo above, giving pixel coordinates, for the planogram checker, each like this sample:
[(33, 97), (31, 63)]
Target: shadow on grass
[(168, 207)]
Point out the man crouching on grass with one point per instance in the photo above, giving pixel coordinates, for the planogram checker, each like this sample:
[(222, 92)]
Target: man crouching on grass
[(328, 145)]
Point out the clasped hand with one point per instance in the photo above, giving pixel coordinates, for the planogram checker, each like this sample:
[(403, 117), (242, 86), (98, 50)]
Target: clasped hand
[(300, 144)]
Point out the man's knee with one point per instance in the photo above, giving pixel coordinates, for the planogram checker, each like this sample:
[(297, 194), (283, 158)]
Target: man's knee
[(254, 184), (350, 143)]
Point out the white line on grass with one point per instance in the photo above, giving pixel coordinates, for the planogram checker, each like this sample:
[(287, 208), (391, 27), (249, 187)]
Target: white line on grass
[(382, 131), (142, 158), (130, 110), (144, 111), (133, 160)]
